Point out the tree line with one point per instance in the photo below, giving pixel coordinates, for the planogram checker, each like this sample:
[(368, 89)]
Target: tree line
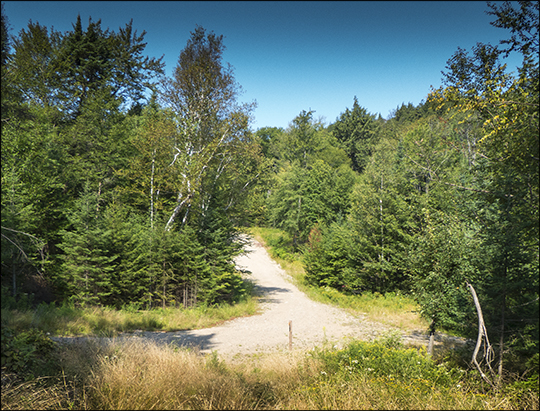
[(109, 197), (112, 197), (439, 199)]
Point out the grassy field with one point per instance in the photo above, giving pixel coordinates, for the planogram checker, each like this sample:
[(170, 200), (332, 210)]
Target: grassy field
[(383, 374), (68, 320)]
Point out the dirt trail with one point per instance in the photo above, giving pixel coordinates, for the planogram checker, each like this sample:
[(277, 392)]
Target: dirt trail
[(312, 323)]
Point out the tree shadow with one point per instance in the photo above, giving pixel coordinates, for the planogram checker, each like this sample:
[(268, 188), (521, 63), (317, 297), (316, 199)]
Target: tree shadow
[(181, 339), (187, 339), (264, 294)]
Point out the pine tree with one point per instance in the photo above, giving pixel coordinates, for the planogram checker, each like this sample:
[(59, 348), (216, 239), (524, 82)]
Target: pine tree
[(87, 266), (357, 131)]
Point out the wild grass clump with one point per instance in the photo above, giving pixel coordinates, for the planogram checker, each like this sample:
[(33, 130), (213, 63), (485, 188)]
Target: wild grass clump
[(148, 376), (38, 394)]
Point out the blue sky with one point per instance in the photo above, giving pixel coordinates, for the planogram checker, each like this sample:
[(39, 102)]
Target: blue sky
[(294, 56)]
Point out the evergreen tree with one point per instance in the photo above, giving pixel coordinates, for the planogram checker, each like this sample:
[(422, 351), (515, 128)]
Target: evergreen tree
[(305, 197), (357, 130), (329, 257), (88, 263)]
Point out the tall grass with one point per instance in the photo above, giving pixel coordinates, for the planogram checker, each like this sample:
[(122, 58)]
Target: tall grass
[(139, 375), (393, 309), (68, 320)]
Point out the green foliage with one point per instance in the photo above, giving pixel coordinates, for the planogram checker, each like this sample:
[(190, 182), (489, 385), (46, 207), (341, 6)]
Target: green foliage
[(79, 170), (87, 262), (28, 353), (441, 261), (383, 220), (22, 301), (4, 37), (405, 114), (329, 258), (506, 177), (523, 24), (388, 360), (66, 71), (220, 242), (304, 142), (356, 130), (305, 197), (267, 136)]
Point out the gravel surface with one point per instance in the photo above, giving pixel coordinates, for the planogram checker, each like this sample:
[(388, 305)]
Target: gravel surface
[(313, 323)]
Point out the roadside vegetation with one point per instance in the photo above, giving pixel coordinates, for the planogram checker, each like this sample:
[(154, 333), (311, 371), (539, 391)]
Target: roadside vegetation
[(394, 308), (68, 320), (135, 375), (381, 374)]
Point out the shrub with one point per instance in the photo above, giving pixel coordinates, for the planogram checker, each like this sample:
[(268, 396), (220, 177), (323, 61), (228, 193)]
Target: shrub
[(27, 353), (386, 359)]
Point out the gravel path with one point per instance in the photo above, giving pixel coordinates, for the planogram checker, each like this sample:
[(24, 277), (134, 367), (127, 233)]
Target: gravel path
[(313, 323), (281, 302)]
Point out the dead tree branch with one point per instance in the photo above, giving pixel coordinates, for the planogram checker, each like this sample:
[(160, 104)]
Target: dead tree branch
[(482, 337)]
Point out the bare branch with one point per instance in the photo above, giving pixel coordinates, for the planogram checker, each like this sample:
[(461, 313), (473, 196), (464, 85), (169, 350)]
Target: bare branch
[(17, 246), (482, 333), (21, 232)]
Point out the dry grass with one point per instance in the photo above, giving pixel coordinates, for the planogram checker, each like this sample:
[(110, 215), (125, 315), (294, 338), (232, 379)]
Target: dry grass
[(132, 374), (103, 321), (137, 375), (148, 376), (36, 394)]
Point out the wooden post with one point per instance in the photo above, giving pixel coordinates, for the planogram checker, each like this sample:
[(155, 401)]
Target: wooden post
[(290, 335), (431, 338)]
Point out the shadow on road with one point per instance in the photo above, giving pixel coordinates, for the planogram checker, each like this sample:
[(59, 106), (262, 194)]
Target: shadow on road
[(185, 339), (265, 294)]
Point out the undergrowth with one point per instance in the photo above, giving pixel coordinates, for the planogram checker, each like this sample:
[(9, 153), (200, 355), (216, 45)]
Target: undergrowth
[(68, 320), (38, 373), (363, 375)]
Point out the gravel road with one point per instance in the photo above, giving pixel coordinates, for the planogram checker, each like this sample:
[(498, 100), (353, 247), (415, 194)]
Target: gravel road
[(313, 323), (281, 302)]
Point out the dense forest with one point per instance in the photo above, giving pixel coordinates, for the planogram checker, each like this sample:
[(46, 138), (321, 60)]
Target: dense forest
[(121, 185)]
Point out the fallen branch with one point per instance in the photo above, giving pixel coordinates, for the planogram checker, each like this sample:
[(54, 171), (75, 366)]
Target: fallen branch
[(482, 333)]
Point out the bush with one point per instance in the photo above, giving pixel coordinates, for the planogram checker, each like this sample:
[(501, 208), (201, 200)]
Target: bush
[(27, 353), (23, 301), (387, 360)]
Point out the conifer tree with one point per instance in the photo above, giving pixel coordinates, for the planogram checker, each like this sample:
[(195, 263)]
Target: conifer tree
[(87, 262), (357, 130)]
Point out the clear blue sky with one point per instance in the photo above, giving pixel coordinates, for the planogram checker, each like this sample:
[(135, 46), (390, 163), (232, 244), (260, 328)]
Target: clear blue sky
[(294, 56)]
